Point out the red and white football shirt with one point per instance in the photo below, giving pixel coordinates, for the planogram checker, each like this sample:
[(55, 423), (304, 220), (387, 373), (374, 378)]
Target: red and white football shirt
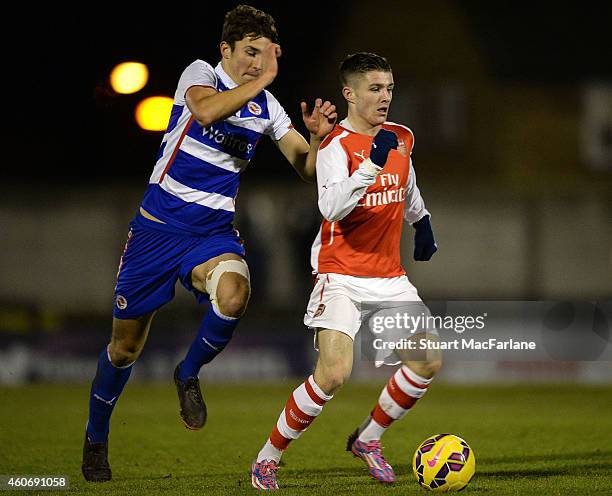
[(361, 231)]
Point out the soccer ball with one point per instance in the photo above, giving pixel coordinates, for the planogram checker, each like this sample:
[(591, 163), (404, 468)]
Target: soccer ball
[(444, 462)]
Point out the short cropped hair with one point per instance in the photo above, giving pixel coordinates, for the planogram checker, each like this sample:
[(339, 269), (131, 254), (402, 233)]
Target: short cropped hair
[(360, 63), (243, 21)]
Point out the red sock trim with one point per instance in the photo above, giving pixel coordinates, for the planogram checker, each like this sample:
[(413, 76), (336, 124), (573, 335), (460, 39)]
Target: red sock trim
[(381, 417), (400, 397), (295, 417), (279, 441), (415, 384), (313, 395)]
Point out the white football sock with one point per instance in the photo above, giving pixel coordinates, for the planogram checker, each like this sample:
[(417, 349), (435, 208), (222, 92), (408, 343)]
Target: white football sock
[(269, 452), (372, 432)]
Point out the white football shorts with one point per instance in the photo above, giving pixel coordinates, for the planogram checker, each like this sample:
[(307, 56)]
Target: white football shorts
[(335, 301)]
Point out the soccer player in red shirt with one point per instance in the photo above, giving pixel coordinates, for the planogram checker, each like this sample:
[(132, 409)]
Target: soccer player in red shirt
[(367, 187)]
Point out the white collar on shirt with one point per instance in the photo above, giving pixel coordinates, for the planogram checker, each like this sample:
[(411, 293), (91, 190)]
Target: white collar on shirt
[(225, 79), (347, 125)]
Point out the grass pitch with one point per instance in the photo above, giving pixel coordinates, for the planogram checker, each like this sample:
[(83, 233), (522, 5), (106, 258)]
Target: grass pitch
[(549, 440)]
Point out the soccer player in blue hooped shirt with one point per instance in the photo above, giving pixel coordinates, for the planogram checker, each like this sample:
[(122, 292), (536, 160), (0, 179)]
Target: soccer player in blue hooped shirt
[(184, 227)]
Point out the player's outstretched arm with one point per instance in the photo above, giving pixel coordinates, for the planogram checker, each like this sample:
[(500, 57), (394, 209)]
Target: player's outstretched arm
[(302, 155), (208, 105)]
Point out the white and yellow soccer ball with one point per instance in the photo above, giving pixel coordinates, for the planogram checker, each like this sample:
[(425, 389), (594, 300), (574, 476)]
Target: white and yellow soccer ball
[(444, 463)]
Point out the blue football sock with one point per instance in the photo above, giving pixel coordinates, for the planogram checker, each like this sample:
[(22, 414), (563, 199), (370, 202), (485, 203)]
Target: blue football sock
[(105, 390), (215, 332)]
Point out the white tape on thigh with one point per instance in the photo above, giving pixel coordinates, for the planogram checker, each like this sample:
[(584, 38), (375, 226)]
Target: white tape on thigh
[(237, 266)]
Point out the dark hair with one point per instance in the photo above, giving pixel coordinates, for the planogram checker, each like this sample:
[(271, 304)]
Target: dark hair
[(361, 63), (244, 21)]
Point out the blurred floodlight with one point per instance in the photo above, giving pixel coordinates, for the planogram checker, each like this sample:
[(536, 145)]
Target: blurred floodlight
[(129, 77), (153, 113)]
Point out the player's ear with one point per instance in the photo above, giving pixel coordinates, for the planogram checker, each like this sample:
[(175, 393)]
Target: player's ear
[(226, 49), (348, 94)]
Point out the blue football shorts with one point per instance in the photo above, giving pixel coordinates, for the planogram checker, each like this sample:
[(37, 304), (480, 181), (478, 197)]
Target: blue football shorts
[(155, 256)]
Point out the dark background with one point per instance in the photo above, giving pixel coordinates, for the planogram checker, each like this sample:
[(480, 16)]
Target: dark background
[(508, 102), (67, 125)]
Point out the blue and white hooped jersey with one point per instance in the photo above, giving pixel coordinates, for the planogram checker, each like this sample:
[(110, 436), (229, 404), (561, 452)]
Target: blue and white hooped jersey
[(196, 177)]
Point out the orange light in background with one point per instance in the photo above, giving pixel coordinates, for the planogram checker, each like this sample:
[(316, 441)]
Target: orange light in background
[(129, 77), (153, 113)]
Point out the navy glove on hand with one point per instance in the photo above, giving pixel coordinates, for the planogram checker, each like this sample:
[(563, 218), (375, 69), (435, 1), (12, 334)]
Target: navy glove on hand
[(383, 143), (424, 242)]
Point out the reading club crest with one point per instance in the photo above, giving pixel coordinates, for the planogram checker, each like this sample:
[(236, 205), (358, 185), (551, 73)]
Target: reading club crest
[(254, 108), (121, 302)]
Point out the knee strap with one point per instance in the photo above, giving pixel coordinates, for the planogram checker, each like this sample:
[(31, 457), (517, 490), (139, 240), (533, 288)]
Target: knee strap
[(212, 280)]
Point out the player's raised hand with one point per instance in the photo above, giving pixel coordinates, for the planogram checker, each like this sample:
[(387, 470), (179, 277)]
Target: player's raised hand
[(269, 62), (321, 120), (383, 143)]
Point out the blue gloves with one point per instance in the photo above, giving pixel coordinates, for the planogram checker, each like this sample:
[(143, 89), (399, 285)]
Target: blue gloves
[(383, 143), (424, 242)]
